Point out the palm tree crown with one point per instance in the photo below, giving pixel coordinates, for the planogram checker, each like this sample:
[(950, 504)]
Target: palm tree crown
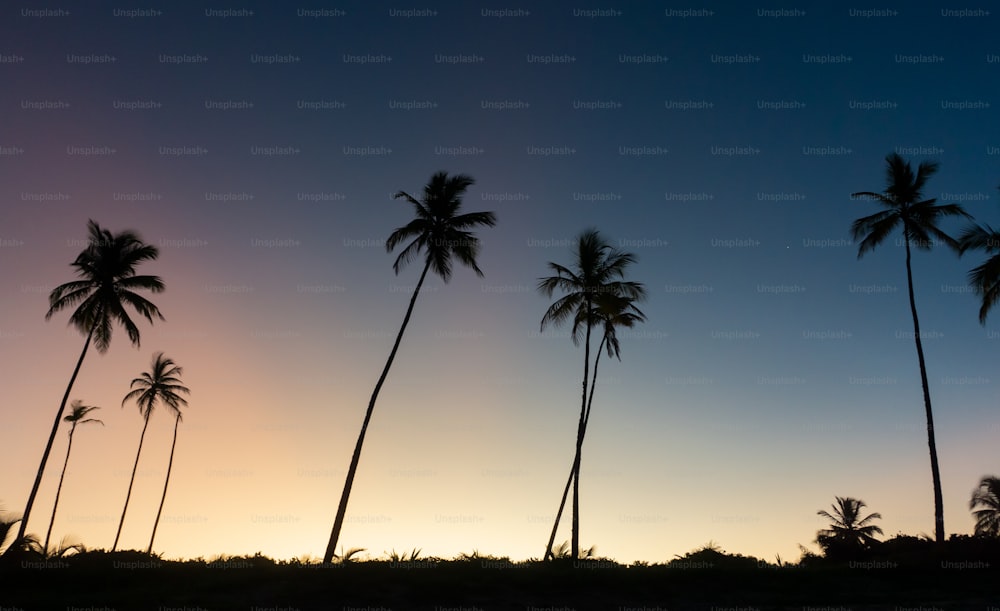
[(987, 498), (107, 268), (161, 383), (613, 311), (905, 205), (78, 414), (597, 271), (985, 278), (438, 229), (847, 526)]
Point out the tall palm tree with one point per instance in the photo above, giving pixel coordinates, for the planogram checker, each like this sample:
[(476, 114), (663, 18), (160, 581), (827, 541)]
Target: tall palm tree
[(905, 206), (598, 269), (987, 497), (175, 408), (848, 530), (78, 415), (614, 312), (441, 233), (108, 283), (985, 279), (159, 385)]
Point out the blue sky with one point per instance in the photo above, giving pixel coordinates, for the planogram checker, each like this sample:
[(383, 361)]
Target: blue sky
[(260, 152)]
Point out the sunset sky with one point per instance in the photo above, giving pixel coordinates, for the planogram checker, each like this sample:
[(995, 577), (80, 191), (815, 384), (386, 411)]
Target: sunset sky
[(258, 145)]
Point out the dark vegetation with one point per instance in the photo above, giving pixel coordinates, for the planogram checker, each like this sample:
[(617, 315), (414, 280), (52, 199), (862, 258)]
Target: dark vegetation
[(902, 572), (852, 569)]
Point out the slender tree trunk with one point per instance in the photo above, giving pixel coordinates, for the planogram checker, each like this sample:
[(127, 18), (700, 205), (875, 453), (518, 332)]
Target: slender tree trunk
[(128, 495), (338, 522), (932, 446), (575, 540), (55, 505), (572, 472), (170, 465), (52, 437)]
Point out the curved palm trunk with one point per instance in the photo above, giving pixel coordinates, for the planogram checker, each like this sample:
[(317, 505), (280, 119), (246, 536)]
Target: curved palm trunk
[(575, 537), (128, 495), (338, 522), (932, 446), (572, 472), (52, 437), (55, 505), (170, 465)]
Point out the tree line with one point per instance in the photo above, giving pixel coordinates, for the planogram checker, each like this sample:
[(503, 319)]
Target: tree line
[(595, 295)]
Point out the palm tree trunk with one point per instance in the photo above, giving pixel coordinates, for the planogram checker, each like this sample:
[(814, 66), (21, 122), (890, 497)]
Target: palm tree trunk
[(55, 505), (932, 446), (170, 465), (575, 538), (569, 480), (338, 522), (128, 495), (52, 436)]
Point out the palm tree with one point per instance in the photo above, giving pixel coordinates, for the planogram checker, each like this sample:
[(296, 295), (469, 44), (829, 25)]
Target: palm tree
[(985, 279), (78, 415), (919, 218), (595, 268), (442, 233), (160, 384), (987, 496), (614, 312), (108, 283), (174, 404), (848, 530)]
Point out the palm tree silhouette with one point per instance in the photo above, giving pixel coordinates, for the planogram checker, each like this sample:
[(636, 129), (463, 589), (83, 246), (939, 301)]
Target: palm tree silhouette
[(905, 205), (595, 268), (174, 403), (160, 384), (441, 233), (615, 312), (78, 415), (985, 279), (987, 497), (107, 268), (848, 530)]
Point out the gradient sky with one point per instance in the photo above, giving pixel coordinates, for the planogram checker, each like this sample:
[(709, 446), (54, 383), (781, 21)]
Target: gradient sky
[(719, 142)]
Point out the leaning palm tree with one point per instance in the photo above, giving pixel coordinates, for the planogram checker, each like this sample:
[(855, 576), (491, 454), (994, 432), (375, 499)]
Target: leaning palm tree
[(441, 233), (987, 498), (108, 284), (174, 406), (160, 384), (984, 279), (848, 530), (614, 312), (598, 270), (78, 415), (905, 206)]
